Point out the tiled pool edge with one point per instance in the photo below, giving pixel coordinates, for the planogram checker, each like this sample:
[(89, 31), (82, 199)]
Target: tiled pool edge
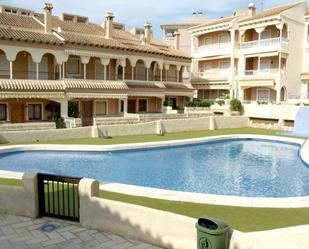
[(291, 202)]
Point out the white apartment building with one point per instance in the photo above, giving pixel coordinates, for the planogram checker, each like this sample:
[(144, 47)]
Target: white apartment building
[(252, 56)]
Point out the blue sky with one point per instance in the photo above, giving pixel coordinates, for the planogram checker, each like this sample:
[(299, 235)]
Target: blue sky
[(137, 12)]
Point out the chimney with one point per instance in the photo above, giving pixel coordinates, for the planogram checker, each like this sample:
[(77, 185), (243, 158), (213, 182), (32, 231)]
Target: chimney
[(176, 40), (251, 9), (48, 7), (109, 18), (147, 29)]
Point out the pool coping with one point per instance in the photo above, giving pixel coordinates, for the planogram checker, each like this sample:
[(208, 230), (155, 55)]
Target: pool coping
[(267, 202)]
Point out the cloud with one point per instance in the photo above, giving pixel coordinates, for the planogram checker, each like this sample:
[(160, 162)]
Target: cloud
[(137, 12)]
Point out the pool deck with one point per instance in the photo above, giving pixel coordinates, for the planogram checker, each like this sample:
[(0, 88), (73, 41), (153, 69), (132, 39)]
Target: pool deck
[(290, 202)]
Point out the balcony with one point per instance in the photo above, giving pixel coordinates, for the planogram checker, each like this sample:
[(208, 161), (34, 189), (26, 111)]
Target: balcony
[(265, 45), (261, 78), (214, 49)]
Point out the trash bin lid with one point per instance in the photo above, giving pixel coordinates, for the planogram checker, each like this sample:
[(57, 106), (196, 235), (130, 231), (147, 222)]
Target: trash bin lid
[(212, 225)]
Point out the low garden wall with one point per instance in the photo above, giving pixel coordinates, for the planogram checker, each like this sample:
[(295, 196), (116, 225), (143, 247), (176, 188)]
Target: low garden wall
[(145, 224), (152, 127), (20, 200)]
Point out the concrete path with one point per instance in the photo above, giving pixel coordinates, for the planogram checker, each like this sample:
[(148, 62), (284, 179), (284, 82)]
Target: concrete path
[(18, 232)]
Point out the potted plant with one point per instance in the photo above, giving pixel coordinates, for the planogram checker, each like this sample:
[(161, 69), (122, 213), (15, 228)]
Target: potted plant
[(235, 107), (167, 106)]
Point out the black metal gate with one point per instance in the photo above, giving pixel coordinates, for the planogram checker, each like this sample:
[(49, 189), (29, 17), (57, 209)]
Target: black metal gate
[(58, 196)]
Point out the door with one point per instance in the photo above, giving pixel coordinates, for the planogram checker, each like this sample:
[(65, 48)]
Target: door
[(265, 66), (131, 106), (174, 101), (224, 68), (87, 113), (17, 113), (142, 105)]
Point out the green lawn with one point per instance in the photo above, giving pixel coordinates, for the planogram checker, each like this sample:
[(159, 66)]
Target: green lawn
[(153, 138), (244, 219), (240, 218)]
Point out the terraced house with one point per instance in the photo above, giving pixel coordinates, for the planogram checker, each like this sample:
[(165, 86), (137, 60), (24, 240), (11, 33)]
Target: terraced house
[(52, 62), (254, 56)]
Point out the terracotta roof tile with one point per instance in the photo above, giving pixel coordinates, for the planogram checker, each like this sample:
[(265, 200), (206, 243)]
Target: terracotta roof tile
[(95, 84), (25, 85), (22, 35), (19, 21), (271, 12)]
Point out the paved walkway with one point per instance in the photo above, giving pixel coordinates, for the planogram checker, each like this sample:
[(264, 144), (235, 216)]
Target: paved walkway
[(24, 233)]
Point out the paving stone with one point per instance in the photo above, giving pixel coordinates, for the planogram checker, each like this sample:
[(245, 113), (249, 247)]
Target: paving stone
[(18, 232)]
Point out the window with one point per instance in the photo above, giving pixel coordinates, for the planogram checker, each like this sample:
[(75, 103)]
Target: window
[(266, 34), (142, 105), (224, 67), (34, 112), (101, 108), (4, 66), (99, 71), (224, 38), (262, 95), (3, 113), (265, 66), (207, 41), (73, 66)]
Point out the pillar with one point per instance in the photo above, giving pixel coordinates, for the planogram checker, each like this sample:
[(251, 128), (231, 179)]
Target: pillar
[(37, 70), (241, 94), (147, 74), (133, 69), (232, 64), (11, 70), (161, 74), (105, 72), (64, 108), (85, 70), (59, 69), (125, 106), (63, 70)]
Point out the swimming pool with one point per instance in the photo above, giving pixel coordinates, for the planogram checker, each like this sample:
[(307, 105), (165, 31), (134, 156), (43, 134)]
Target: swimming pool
[(242, 167)]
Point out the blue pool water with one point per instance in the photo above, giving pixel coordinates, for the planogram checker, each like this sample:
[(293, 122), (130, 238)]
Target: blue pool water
[(253, 168)]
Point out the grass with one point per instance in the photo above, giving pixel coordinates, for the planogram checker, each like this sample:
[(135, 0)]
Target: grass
[(240, 218), (153, 138), (10, 182)]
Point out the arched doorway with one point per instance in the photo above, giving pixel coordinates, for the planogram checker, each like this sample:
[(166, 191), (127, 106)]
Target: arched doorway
[(283, 94)]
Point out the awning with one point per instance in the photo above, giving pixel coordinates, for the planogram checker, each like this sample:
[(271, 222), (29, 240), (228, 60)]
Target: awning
[(184, 94), (146, 94), (269, 54), (71, 95), (31, 95), (173, 85), (144, 84), (95, 84), (31, 85), (213, 58), (212, 86), (304, 76), (257, 83)]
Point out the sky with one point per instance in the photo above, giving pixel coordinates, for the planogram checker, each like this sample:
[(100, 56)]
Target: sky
[(137, 12)]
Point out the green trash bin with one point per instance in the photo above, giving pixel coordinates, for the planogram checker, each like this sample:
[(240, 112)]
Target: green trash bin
[(212, 233)]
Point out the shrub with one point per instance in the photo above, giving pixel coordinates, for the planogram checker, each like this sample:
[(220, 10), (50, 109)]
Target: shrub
[(73, 111), (220, 102), (235, 105), (168, 103), (199, 103)]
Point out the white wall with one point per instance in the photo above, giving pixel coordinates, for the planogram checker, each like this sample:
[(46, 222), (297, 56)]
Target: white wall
[(145, 224), (284, 112), (20, 200)]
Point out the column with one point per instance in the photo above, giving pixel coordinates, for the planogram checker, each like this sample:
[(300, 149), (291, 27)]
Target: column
[(37, 70), (64, 108), (105, 72), (161, 74), (125, 106), (11, 70), (241, 94), (259, 64), (133, 69), (166, 73), (63, 70), (279, 83), (147, 73), (232, 64), (178, 68), (85, 70), (59, 69)]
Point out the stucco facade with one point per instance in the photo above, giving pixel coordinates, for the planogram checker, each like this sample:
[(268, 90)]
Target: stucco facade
[(255, 56)]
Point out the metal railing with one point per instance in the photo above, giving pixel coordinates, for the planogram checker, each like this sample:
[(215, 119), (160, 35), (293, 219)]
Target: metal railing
[(58, 196), (264, 43)]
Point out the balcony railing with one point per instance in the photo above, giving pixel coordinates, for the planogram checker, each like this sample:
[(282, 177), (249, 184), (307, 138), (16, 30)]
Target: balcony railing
[(212, 49), (262, 72), (211, 73), (264, 43)]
